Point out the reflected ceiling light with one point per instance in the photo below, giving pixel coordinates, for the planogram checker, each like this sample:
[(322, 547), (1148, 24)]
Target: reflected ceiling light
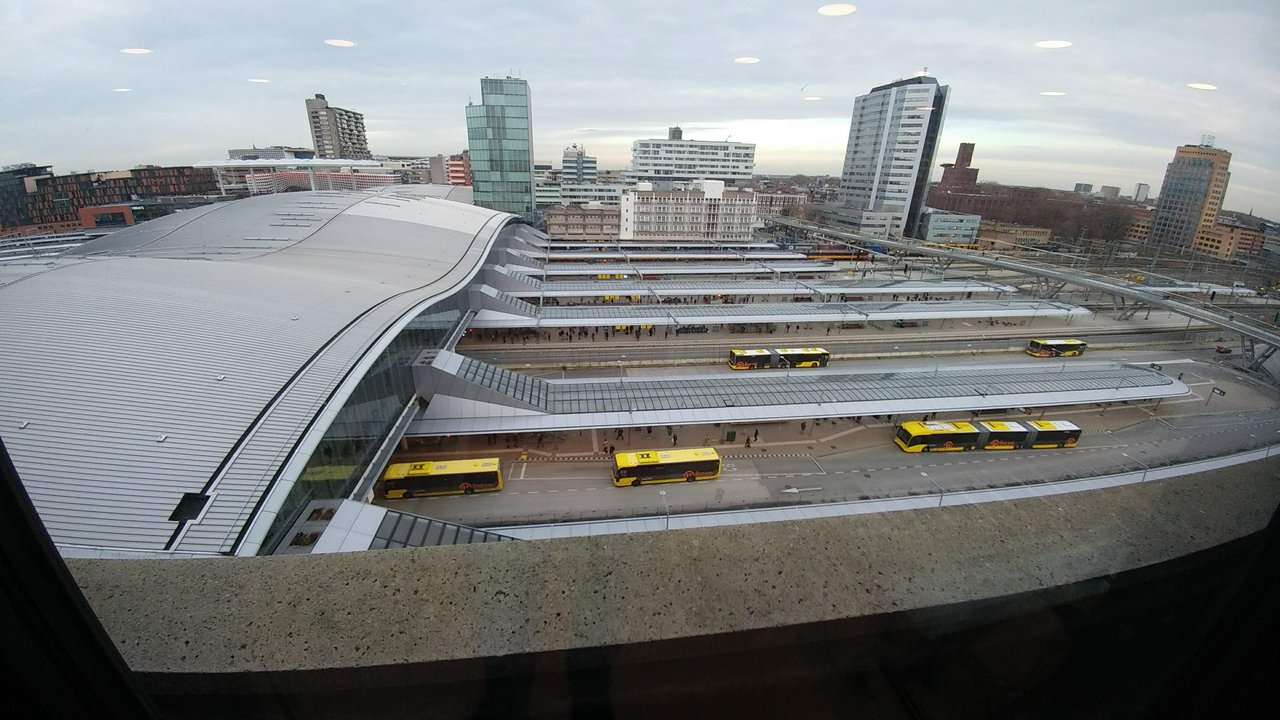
[(259, 80), (136, 51), (1054, 44), (339, 43), (837, 9), (1053, 93), (812, 97), (121, 89), (1202, 86), (747, 60)]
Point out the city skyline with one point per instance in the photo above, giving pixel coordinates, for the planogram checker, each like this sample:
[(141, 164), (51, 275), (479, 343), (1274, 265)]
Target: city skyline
[(1126, 108)]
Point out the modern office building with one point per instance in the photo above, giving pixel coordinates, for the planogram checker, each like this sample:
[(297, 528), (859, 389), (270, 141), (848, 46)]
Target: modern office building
[(709, 211), (337, 133), (459, 168), (1191, 196), (577, 166), (16, 182), (1141, 192), (500, 138), (893, 139), (33, 199), (944, 227), (437, 171), (603, 193), (678, 160), (1139, 226), (1109, 192), (1083, 188), (1231, 237), (547, 195)]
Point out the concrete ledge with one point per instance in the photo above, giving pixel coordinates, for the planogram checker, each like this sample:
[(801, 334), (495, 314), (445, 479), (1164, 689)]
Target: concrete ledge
[(431, 604)]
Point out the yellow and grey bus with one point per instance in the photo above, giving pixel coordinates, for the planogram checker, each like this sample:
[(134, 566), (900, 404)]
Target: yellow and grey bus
[(1056, 348), (450, 477), (662, 466), (778, 358), (986, 435)]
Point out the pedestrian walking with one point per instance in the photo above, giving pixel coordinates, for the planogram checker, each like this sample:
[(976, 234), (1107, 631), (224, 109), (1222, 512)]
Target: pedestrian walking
[(674, 440), (803, 425), (748, 441), (756, 435), (619, 435)]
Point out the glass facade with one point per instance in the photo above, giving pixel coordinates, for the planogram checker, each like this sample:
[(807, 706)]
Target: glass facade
[(500, 138), (368, 416)]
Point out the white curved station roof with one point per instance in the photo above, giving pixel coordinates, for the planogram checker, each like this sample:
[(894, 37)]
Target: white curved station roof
[(189, 354)]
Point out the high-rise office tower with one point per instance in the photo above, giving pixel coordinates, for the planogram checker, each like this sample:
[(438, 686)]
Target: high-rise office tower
[(1084, 188), (500, 138), (1140, 192), (1190, 197), (577, 166), (893, 139), (676, 160), (336, 133)]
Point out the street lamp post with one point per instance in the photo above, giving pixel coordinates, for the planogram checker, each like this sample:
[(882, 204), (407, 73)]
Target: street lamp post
[(666, 508), (1145, 467), (935, 484)]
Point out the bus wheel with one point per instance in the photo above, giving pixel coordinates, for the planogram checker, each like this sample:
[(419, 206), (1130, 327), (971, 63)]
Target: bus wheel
[(468, 489), (690, 476), (635, 483)]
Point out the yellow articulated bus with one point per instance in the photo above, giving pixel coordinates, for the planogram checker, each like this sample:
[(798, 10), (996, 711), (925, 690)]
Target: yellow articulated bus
[(1056, 348), (663, 466), (778, 358), (986, 435), (451, 477)]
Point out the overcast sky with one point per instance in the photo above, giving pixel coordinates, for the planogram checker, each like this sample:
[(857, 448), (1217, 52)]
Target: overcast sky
[(606, 73)]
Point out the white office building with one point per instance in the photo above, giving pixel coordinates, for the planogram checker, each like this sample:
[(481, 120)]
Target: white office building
[(893, 139), (678, 160), (547, 195), (577, 166), (707, 212), (604, 193), (944, 227)]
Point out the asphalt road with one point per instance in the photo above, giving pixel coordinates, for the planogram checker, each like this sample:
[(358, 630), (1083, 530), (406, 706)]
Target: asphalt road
[(861, 342), (1116, 439)]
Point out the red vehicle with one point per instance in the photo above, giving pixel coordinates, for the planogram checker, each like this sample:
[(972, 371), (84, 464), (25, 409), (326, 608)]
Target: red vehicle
[(1222, 349)]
